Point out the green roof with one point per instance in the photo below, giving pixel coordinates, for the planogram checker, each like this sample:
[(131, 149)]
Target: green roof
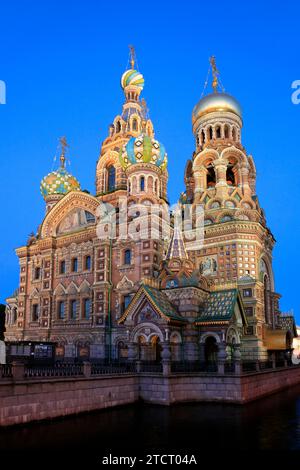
[(162, 302), (219, 306)]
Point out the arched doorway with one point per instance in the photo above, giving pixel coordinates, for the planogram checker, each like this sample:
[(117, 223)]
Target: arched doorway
[(155, 349), (210, 350)]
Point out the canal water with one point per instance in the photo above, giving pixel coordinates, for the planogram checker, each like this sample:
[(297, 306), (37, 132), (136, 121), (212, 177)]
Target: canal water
[(272, 423)]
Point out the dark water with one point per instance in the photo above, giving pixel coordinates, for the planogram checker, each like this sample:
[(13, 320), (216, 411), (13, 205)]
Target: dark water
[(272, 423)]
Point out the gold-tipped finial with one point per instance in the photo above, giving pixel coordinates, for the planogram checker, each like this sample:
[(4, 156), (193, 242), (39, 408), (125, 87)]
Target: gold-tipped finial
[(132, 56), (215, 73), (64, 144)]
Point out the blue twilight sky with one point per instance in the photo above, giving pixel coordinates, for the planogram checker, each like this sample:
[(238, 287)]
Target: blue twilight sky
[(62, 62)]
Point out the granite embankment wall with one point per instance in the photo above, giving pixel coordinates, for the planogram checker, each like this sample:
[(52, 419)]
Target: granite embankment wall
[(26, 400), (230, 388)]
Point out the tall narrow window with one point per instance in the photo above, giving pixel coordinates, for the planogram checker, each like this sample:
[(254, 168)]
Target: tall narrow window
[(61, 310), (218, 132), (35, 312), (226, 132), (142, 184), (111, 178), (127, 257), (87, 263), (73, 309), (230, 178), (74, 265), (86, 306), (118, 127), (210, 133), (126, 301), (211, 176), (134, 125), (62, 267), (37, 273)]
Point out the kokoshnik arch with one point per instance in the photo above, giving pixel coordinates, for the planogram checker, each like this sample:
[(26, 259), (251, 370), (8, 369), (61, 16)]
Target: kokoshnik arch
[(140, 299)]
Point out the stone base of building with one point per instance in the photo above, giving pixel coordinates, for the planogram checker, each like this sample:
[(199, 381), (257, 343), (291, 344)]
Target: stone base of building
[(26, 400)]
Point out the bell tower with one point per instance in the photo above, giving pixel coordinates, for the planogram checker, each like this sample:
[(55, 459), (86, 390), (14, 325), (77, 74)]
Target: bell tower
[(238, 245)]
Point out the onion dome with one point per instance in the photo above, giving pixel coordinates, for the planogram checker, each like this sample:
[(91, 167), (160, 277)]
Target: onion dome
[(132, 78), (216, 102), (143, 149), (59, 182)]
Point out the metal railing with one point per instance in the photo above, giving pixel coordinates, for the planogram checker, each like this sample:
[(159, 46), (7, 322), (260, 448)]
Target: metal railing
[(5, 371), (60, 369), (100, 368), (21, 371), (150, 366)]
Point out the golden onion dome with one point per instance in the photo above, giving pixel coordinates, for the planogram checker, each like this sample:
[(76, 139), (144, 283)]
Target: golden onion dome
[(216, 102)]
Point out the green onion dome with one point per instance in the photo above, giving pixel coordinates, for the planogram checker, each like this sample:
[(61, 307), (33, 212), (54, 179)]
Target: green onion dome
[(143, 149)]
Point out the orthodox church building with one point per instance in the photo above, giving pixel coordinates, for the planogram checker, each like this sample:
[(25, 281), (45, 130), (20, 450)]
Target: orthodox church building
[(143, 298)]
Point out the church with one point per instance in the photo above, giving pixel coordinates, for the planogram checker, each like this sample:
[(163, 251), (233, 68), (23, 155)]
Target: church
[(148, 297)]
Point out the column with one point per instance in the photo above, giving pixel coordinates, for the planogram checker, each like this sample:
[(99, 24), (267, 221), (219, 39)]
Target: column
[(221, 184), (166, 357), (237, 358), (222, 356)]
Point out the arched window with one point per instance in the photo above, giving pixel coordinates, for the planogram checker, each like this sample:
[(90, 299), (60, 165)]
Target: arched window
[(226, 132), (118, 126), (127, 257), (62, 267), (61, 310), (37, 273), (234, 133), (211, 176), (111, 178), (86, 308), (202, 136), (74, 265), (218, 132), (134, 125), (14, 315), (35, 312), (142, 184), (210, 133), (87, 263), (230, 178), (155, 187)]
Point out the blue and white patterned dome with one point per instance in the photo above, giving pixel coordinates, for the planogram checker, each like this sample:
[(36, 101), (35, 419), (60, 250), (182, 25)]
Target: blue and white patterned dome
[(143, 149)]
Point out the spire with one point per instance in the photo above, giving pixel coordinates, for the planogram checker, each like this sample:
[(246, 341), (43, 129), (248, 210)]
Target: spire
[(176, 248)]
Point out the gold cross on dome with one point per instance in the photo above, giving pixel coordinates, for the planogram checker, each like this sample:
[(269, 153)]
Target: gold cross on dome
[(215, 73), (64, 144), (132, 56)]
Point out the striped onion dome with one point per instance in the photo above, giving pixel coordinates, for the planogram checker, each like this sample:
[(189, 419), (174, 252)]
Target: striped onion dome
[(132, 77), (143, 149)]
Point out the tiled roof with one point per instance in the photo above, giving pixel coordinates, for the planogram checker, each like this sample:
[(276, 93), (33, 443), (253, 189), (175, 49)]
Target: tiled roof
[(219, 306), (162, 302), (158, 300)]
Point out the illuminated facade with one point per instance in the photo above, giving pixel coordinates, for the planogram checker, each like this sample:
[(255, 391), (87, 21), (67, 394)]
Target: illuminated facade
[(147, 298)]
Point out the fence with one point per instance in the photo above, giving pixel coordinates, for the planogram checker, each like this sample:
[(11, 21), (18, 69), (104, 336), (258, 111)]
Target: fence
[(21, 371)]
